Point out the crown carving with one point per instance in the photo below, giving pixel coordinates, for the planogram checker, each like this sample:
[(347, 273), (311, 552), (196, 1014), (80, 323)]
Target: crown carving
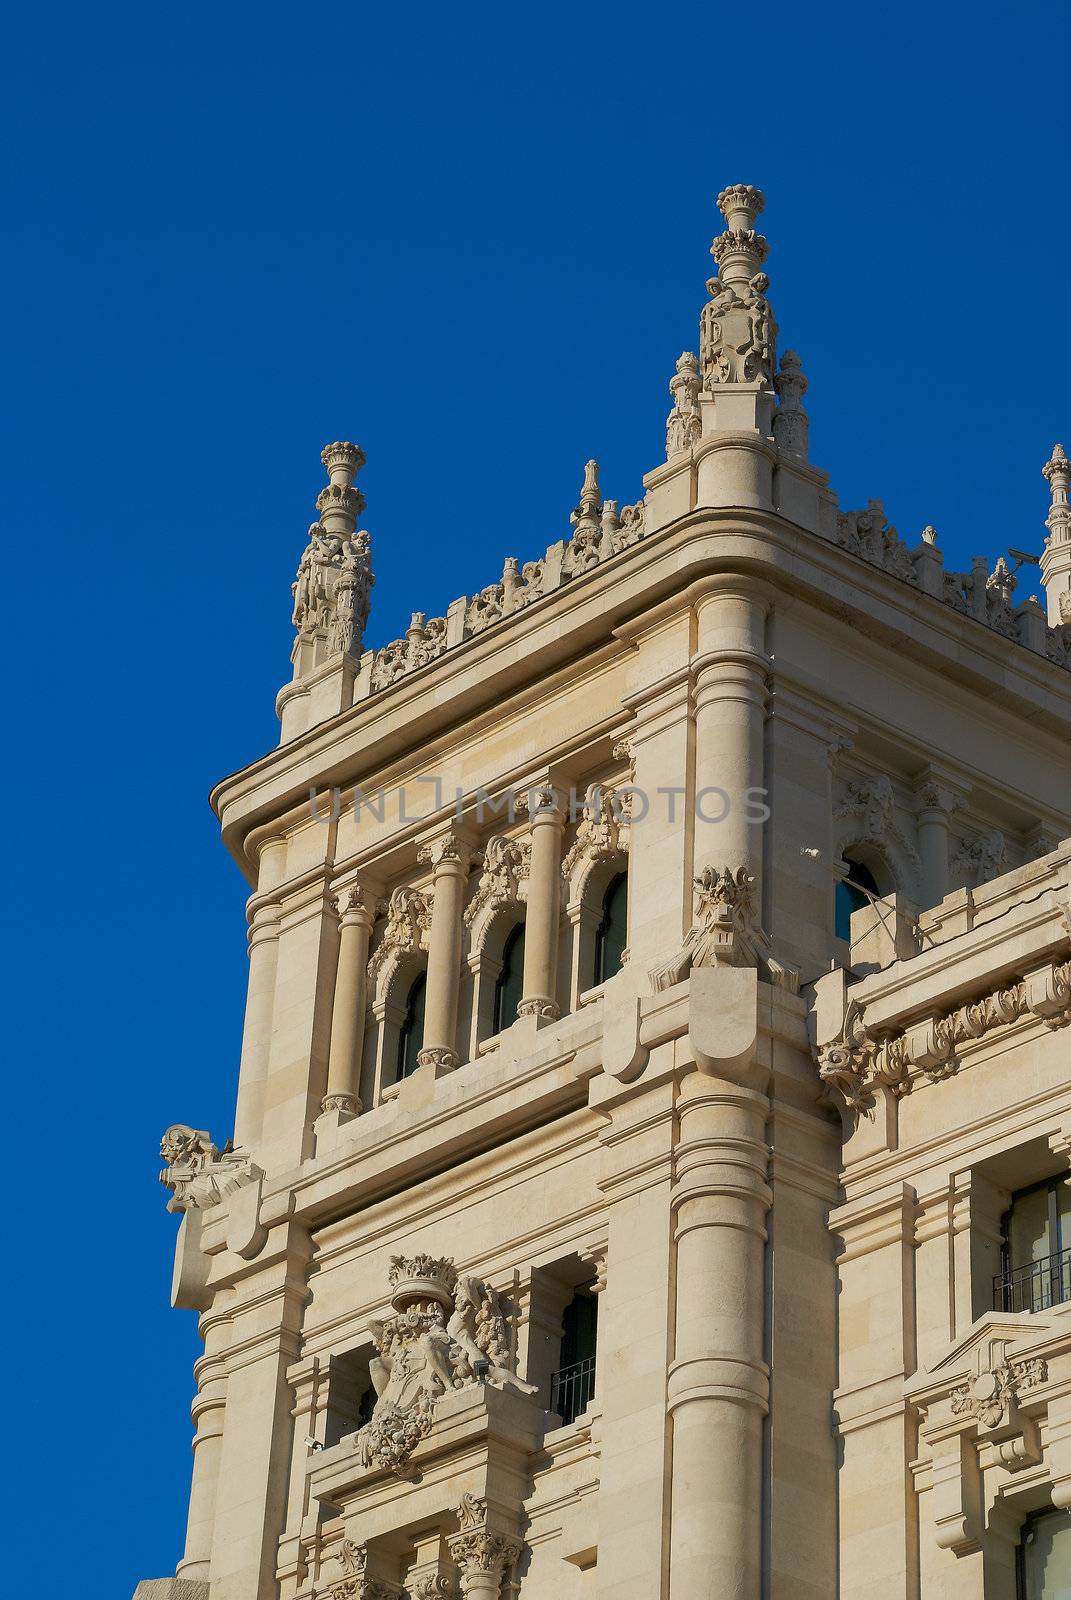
[(421, 1279)]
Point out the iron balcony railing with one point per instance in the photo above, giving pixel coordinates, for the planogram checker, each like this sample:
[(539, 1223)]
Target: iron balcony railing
[(572, 1388), (1035, 1287)]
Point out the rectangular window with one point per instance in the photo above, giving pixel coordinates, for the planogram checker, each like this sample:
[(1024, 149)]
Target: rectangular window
[(1045, 1557), (1036, 1269)]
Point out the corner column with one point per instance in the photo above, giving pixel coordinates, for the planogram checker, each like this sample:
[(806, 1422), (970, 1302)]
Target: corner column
[(357, 911), (264, 919), (718, 1393), (208, 1414), (451, 858), (731, 669), (544, 905)]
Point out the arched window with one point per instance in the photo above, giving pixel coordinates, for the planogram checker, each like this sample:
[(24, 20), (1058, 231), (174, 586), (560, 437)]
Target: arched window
[(851, 896), (412, 1031), (509, 986), (612, 932)]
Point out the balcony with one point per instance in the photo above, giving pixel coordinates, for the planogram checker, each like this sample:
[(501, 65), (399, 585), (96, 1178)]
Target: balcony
[(572, 1389), (1036, 1287)]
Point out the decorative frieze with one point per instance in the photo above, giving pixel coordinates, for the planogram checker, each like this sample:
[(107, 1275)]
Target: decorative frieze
[(858, 1062), (988, 1395)]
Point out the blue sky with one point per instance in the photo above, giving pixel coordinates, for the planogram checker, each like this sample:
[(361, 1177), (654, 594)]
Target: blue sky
[(474, 239)]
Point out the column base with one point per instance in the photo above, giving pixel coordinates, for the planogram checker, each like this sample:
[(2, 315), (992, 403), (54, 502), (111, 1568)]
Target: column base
[(439, 1057), (539, 1005)]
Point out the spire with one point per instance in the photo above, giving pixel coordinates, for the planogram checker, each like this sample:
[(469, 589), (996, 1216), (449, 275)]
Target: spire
[(588, 511), (334, 578), (683, 426), (1056, 558), (737, 330)]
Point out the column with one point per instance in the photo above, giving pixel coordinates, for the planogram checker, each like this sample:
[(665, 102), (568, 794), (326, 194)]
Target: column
[(718, 1381), (935, 799), (264, 916), (357, 911), (208, 1414), (730, 705), (544, 905), (480, 1552), (451, 857)]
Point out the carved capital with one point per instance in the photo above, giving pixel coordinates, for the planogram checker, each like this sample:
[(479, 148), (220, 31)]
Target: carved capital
[(439, 1056), (449, 853)]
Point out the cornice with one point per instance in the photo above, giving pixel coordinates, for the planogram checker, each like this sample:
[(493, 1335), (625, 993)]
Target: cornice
[(555, 631)]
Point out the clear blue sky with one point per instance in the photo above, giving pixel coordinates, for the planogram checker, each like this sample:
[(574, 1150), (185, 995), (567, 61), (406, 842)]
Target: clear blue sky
[(473, 238)]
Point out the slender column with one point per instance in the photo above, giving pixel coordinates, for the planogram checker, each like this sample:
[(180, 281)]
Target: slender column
[(208, 1415), (357, 911), (935, 799), (718, 1382), (260, 1003), (730, 705), (450, 857), (544, 905)]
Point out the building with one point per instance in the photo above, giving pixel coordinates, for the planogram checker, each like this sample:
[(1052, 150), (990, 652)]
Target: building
[(650, 1165)]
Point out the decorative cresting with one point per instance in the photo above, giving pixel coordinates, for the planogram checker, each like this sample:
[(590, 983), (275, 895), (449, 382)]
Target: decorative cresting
[(725, 932), (334, 578), (986, 596), (355, 1582), (1056, 558), (737, 330), (482, 1549), (600, 530), (683, 425), (198, 1174), (859, 1062), (448, 1332)]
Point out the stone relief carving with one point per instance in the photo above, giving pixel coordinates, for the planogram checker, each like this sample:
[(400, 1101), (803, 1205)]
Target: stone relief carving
[(725, 932), (602, 832), (406, 931), (868, 534), (988, 1395), (868, 806), (448, 1332), (977, 860), (479, 1547), (198, 1174), (857, 1062), (503, 873), (683, 425), (355, 1583), (425, 639)]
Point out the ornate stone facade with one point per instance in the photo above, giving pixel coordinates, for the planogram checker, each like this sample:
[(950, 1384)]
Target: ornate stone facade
[(659, 1000)]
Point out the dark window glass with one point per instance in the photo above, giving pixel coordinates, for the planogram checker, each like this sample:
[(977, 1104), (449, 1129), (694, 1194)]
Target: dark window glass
[(509, 986), (611, 937), (1045, 1557), (573, 1385), (579, 1322), (1036, 1266), (850, 896), (412, 1034)]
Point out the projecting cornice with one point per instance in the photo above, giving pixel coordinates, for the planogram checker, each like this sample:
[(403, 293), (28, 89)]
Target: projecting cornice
[(550, 636)]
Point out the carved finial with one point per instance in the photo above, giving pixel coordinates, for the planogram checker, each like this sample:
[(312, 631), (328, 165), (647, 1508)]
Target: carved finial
[(587, 512), (683, 426), (1056, 558), (334, 578), (737, 330), (790, 424), (929, 534)]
